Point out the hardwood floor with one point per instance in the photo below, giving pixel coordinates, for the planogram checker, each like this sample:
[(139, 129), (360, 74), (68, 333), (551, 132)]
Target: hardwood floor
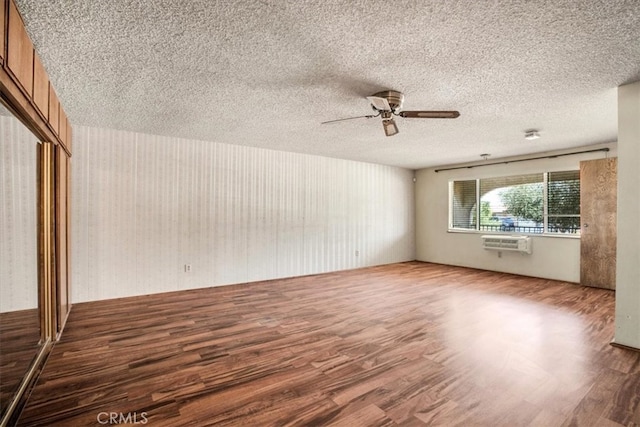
[(19, 345), (408, 344)]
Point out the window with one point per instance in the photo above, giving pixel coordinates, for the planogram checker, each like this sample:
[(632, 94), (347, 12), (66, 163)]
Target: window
[(533, 203), (563, 194), (464, 205)]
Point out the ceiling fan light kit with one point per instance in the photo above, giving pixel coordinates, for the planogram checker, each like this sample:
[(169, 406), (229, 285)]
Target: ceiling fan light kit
[(390, 127), (388, 103)]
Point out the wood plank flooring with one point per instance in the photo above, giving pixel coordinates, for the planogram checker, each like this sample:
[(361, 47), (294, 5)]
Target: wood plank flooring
[(19, 345), (409, 344)]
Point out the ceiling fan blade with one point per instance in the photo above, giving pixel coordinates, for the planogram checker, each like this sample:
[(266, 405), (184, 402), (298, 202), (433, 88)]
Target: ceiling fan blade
[(349, 118), (380, 104), (430, 114)]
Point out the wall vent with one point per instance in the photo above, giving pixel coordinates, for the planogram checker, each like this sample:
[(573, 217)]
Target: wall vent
[(507, 243)]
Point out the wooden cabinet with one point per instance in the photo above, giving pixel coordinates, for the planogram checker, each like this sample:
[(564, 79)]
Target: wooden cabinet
[(26, 80), (40, 87), (54, 105), (62, 127), (3, 11), (19, 51), (69, 136), (28, 93)]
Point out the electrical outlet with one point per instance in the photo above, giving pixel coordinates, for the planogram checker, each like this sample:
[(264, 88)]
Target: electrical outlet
[(357, 253), (187, 268)]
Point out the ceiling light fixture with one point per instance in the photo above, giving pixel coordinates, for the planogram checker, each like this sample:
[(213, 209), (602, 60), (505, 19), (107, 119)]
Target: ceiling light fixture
[(530, 135), (390, 127)]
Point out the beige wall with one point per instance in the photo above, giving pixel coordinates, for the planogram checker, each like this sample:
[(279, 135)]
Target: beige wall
[(144, 206), (552, 257), (628, 265)]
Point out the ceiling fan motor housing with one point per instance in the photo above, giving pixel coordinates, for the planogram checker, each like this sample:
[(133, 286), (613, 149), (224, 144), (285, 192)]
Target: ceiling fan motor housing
[(394, 98)]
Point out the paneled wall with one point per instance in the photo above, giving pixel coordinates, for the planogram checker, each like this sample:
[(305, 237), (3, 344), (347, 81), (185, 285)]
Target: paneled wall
[(144, 206), (18, 219), (553, 257)]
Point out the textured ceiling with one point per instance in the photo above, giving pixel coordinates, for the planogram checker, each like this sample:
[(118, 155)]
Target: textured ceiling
[(266, 73)]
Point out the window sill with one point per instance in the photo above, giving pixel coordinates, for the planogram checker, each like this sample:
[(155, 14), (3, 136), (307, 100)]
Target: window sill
[(513, 233)]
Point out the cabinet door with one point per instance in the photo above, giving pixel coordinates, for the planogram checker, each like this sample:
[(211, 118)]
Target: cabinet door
[(69, 136), (598, 208), (62, 118), (40, 87), (54, 105), (20, 51), (3, 29)]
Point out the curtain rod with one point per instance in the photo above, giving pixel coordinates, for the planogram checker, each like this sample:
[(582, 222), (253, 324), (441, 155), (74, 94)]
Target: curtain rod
[(605, 149)]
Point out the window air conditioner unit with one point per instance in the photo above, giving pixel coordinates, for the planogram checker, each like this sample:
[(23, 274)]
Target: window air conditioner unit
[(507, 243)]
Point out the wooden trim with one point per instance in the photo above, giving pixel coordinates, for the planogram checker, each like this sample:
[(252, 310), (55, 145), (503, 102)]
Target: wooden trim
[(68, 219), (48, 248), (62, 187), (624, 347), (24, 110), (41, 239)]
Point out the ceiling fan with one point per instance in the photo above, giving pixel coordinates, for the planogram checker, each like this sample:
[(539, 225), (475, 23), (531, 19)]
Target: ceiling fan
[(388, 103)]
